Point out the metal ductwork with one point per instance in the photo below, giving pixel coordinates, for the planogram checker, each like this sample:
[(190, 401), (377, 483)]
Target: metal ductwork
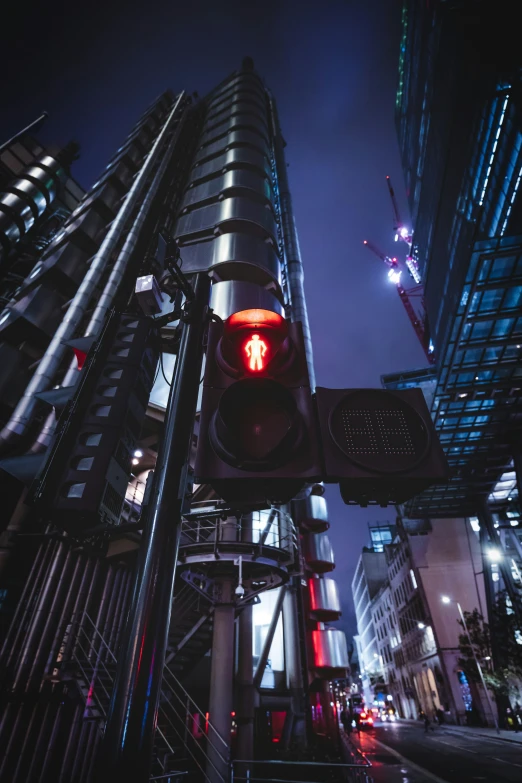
[(235, 256), (329, 653), (318, 552), (325, 602), (232, 296), (311, 513), (51, 360), (294, 263), (27, 198)]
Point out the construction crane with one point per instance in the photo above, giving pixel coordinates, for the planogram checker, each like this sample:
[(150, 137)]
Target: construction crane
[(394, 275), (401, 232), (404, 234)]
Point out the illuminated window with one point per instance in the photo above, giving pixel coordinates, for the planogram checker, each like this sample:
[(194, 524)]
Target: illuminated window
[(262, 614)]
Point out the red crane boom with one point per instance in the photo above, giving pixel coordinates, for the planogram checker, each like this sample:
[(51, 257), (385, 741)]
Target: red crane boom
[(416, 321)]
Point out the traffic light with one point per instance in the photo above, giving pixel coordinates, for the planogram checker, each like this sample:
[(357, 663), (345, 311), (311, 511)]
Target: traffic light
[(380, 446), (257, 429)]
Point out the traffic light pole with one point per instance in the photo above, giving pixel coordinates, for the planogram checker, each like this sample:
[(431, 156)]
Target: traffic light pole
[(126, 751)]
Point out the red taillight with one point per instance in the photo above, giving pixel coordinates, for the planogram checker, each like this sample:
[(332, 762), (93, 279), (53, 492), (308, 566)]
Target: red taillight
[(370, 720), (363, 715)]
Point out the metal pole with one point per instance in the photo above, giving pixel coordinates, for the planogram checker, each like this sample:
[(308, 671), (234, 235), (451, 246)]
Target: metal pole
[(126, 751), (263, 658), (221, 697), (245, 706), (33, 126), (478, 667)]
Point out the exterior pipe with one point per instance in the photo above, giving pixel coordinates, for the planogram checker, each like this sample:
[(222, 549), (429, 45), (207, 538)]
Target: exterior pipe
[(71, 747), (65, 614), (79, 752), (124, 613), (119, 611), (33, 126), (22, 718), (111, 612), (34, 746), (294, 263), (43, 376), (40, 617), (29, 609), (131, 720), (88, 755), (52, 619), (111, 286), (64, 653), (102, 611), (49, 750), (84, 610), (16, 623)]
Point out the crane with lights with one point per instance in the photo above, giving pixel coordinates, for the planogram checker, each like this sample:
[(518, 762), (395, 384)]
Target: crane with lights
[(404, 234), (405, 295)]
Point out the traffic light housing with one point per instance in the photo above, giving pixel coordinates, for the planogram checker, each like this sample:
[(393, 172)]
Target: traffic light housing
[(380, 446), (257, 428)]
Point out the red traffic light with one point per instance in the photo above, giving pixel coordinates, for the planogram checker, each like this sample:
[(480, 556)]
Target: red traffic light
[(256, 438), (254, 343)]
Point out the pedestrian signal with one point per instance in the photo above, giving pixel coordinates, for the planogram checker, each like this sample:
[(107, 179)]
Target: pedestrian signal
[(257, 432)]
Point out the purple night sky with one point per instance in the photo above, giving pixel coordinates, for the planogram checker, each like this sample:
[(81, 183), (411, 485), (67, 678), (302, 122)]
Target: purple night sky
[(332, 67)]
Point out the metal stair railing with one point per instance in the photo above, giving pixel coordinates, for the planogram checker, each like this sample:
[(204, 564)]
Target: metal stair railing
[(97, 666), (98, 675), (276, 771)]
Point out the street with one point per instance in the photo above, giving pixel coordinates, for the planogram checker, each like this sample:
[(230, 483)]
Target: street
[(403, 753)]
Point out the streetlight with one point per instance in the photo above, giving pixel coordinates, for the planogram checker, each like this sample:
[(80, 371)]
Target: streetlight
[(421, 625), (447, 600), (495, 555)]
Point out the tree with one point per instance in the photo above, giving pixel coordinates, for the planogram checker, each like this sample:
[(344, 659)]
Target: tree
[(505, 678)]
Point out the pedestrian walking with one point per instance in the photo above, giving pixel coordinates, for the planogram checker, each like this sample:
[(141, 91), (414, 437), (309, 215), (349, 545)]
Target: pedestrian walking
[(427, 722)]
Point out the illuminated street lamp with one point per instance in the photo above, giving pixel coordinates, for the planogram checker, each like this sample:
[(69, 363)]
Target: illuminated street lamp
[(447, 600), (495, 555), (421, 626)]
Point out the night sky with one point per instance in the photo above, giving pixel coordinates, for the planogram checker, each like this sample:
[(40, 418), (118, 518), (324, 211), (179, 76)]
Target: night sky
[(332, 67)]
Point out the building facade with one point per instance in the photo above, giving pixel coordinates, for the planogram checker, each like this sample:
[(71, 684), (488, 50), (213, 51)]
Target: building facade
[(416, 634), (459, 128), (370, 576), (252, 643)]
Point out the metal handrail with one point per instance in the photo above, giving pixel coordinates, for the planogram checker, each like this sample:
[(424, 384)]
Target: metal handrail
[(186, 704), (96, 631), (192, 529), (205, 755), (338, 765), (177, 715), (168, 775), (360, 770), (198, 710)]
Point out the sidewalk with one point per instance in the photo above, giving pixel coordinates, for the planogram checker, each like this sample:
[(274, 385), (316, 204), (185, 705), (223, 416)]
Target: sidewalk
[(507, 736)]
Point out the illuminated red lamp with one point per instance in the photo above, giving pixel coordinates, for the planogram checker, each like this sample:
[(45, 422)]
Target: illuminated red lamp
[(252, 339)]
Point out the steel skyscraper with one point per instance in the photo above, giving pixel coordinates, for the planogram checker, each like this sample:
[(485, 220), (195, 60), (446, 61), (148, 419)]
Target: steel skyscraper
[(211, 175)]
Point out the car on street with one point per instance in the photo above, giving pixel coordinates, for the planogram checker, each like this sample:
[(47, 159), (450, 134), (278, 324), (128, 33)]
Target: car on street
[(365, 720)]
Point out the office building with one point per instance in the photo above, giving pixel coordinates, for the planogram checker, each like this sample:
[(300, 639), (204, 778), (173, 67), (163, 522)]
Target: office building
[(460, 138), (415, 635), (370, 575)]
